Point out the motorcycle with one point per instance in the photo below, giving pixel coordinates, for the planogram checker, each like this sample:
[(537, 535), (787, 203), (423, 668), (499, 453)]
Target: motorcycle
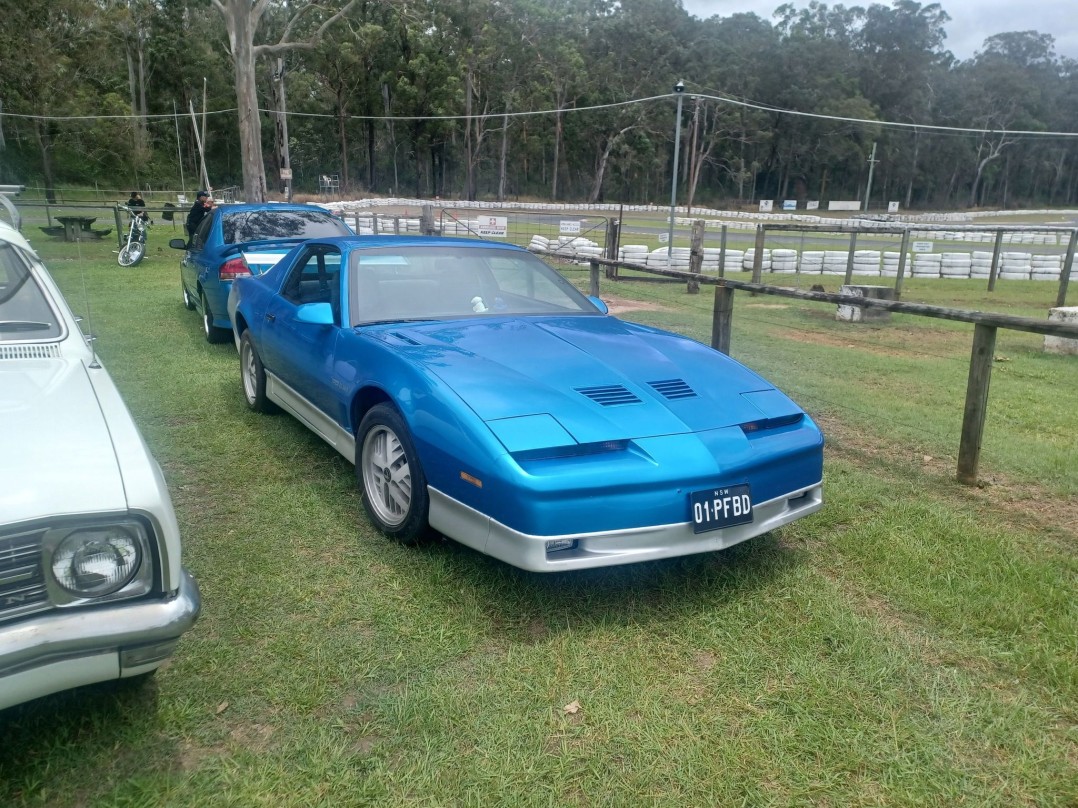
[(134, 249)]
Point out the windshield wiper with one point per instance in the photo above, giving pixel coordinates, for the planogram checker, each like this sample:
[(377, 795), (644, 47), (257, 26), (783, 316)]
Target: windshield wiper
[(398, 320), (24, 325)]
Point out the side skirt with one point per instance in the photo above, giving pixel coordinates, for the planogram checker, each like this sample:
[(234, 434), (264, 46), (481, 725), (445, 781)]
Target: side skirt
[(310, 416)]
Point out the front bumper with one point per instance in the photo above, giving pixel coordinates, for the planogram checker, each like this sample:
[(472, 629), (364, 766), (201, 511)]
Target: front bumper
[(52, 652), (608, 548)]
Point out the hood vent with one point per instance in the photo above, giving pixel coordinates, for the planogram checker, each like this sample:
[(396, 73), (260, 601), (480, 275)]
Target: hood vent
[(673, 389), (42, 351), (610, 395)]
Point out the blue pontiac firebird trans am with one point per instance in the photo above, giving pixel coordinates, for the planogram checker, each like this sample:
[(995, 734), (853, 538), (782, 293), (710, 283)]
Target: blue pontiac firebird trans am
[(481, 396)]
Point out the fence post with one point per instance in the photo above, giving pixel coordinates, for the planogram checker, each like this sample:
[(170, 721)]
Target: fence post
[(994, 269), (1065, 275), (119, 227), (613, 245), (849, 259), (593, 272), (980, 374), (722, 252), (903, 247), (758, 254), (721, 318), (696, 255)]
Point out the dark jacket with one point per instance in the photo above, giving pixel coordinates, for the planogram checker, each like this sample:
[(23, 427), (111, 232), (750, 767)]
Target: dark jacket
[(196, 215)]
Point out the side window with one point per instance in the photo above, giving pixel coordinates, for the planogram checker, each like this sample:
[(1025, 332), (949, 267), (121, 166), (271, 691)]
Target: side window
[(315, 278), (202, 232)]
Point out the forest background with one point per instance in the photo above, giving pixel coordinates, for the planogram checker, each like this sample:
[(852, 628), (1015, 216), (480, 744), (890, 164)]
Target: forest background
[(559, 100)]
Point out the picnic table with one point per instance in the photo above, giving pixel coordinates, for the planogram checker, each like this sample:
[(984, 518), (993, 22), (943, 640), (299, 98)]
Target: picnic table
[(77, 228)]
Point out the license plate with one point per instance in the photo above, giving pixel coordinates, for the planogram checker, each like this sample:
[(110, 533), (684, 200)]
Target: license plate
[(720, 507)]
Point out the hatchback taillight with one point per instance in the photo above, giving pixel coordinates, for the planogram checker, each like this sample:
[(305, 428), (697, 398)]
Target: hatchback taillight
[(234, 268)]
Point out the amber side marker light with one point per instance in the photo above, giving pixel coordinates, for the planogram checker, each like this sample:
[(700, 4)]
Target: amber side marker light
[(468, 478)]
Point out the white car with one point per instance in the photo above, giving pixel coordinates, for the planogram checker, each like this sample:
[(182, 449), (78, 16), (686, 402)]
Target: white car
[(91, 585)]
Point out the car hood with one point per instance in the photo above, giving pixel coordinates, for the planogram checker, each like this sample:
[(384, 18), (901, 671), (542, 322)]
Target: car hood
[(595, 378), (58, 454)]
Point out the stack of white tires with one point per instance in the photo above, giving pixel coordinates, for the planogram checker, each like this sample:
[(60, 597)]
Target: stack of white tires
[(866, 262), (955, 264), (733, 260), (834, 262), (926, 265), (980, 265), (889, 267), (633, 253), (539, 244), (1046, 267), (784, 261), (1015, 266), (812, 262), (750, 257)]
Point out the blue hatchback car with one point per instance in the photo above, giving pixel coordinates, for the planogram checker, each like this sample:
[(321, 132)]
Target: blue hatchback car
[(481, 395), (237, 241)]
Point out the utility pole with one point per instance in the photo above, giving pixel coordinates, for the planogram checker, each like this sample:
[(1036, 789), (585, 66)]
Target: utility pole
[(871, 165), (679, 88), (282, 118)]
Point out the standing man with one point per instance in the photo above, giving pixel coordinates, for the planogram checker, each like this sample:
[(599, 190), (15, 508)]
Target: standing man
[(203, 205)]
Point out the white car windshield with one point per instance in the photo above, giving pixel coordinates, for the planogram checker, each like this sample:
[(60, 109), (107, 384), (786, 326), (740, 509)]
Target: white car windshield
[(434, 283), (25, 312)]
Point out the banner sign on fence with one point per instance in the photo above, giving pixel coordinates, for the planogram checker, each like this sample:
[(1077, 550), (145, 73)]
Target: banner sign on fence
[(892, 207), (569, 227), (789, 204), (493, 226), (813, 204), (664, 238), (765, 205), (922, 246), (844, 204)]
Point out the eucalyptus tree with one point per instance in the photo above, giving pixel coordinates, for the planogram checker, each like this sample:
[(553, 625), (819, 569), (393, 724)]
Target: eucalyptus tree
[(243, 19)]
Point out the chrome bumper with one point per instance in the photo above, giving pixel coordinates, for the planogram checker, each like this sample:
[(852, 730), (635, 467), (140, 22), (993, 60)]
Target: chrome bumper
[(29, 648)]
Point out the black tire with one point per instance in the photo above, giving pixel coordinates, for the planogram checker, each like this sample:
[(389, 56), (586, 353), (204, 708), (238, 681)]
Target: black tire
[(131, 253), (253, 377), (391, 480), (214, 335), (188, 301)]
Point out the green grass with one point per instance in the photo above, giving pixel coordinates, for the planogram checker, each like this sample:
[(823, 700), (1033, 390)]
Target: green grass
[(911, 644)]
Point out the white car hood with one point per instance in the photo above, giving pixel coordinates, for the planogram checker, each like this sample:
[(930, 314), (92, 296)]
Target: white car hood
[(56, 454)]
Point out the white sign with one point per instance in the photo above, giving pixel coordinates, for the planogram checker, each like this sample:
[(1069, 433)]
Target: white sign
[(493, 226), (892, 207), (286, 173), (664, 237), (922, 246), (812, 205), (765, 205), (844, 204), (569, 227), (789, 204)]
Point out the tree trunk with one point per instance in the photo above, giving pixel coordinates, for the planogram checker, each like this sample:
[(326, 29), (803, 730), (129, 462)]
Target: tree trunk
[(503, 160), (44, 142), (342, 139)]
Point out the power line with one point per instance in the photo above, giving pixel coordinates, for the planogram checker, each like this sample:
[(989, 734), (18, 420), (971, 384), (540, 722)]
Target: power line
[(592, 108)]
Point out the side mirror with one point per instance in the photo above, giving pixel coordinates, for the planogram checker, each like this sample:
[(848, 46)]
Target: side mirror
[(315, 314), (177, 244), (599, 304)]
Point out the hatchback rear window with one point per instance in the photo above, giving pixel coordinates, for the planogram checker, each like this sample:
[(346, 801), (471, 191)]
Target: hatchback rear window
[(260, 225)]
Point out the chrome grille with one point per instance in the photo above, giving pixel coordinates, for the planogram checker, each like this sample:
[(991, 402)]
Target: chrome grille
[(39, 351), (22, 583)]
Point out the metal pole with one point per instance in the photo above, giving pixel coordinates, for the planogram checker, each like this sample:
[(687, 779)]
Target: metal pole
[(179, 152), (286, 167), (679, 88)]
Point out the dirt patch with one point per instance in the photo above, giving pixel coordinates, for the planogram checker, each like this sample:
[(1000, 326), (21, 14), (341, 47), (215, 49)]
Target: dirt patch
[(620, 305)]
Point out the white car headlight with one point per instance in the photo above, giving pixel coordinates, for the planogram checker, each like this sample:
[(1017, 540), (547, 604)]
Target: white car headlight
[(96, 561)]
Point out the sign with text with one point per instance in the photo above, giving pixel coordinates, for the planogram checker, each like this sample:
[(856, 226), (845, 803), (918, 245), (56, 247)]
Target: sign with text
[(892, 207), (922, 246), (765, 205), (813, 204), (569, 227), (789, 204), (664, 238), (286, 173), (493, 226)]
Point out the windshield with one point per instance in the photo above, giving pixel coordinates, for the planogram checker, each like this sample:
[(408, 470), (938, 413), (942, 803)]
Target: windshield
[(25, 313), (259, 225), (436, 282)]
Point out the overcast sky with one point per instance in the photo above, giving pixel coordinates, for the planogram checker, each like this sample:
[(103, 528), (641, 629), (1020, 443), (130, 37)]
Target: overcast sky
[(972, 21)]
